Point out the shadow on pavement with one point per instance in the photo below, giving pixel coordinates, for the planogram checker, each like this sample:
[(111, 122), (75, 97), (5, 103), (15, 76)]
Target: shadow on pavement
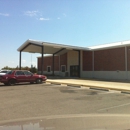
[(20, 84)]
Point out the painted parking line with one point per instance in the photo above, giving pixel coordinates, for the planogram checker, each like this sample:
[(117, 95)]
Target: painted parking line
[(82, 87), (111, 91), (125, 92), (106, 92), (100, 89), (107, 108)]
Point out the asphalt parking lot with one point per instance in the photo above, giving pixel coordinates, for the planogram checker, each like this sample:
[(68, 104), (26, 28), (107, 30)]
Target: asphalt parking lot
[(36, 100)]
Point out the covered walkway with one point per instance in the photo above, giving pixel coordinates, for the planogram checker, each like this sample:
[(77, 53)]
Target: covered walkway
[(41, 47)]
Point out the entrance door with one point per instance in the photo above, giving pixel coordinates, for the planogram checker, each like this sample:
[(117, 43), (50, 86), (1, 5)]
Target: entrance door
[(74, 71)]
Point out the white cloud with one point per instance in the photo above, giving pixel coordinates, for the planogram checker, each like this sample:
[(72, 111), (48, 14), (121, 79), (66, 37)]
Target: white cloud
[(3, 14), (31, 13), (58, 18), (36, 14), (44, 19)]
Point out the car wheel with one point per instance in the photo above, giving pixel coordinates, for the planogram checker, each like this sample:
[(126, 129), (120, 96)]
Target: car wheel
[(12, 82), (38, 81)]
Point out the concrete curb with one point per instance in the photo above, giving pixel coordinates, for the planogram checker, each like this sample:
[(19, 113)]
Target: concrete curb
[(125, 91)]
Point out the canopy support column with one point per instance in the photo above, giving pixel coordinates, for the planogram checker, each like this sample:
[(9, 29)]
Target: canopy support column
[(53, 64), (42, 49), (79, 62), (20, 60)]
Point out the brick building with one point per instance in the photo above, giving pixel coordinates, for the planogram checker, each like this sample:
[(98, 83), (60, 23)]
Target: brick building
[(110, 61)]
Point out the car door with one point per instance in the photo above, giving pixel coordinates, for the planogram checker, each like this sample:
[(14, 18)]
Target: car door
[(29, 76), (20, 76)]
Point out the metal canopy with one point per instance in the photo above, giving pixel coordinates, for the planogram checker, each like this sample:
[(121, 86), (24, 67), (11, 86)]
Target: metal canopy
[(49, 48), (33, 46)]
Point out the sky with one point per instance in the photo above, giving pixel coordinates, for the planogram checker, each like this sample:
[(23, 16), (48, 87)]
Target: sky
[(71, 22)]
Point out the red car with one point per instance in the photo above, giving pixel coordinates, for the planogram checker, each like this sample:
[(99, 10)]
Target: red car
[(17, 76)]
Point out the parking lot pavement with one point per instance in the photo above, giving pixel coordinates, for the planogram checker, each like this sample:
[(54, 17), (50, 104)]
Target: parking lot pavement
[(36, 100)]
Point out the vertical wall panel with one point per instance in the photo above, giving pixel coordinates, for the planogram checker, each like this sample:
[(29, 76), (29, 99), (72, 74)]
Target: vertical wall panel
[(110, 59), (87, 60), (128, 58)]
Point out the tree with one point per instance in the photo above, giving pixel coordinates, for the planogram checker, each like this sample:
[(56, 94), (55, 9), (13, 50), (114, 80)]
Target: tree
[(5, 68), (33, 69)]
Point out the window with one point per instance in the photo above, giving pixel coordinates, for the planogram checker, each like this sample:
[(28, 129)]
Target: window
[(27, 73), (19, 73), (48, 68), (10, 72), (63, 68)]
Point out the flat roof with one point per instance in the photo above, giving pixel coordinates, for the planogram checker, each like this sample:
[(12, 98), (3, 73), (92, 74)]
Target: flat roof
[(110, 45), (34, 46)]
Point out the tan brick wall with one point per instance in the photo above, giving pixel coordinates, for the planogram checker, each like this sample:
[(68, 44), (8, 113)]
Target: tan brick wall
[(110, 59)]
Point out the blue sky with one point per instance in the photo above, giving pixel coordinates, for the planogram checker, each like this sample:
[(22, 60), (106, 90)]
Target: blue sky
[(72, 22)]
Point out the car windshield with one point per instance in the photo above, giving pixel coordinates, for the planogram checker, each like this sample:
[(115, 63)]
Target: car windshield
[(9, 72), (3, 71)]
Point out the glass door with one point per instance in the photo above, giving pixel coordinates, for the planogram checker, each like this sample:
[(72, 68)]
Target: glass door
[(74, 71)]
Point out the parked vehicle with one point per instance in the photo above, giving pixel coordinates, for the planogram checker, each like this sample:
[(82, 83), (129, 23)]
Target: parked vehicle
[(17, 76), (3, 72)]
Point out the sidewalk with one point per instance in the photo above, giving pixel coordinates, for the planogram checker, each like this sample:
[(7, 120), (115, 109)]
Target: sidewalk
[(108, 85)]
